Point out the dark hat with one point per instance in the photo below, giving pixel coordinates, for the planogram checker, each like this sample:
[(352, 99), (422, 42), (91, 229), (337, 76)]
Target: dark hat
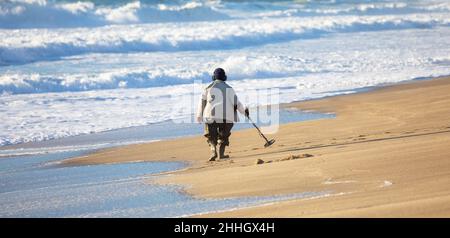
[(219, 74)]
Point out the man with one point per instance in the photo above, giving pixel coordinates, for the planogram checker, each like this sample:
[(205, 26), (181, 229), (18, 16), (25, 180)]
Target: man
[(218, 108)]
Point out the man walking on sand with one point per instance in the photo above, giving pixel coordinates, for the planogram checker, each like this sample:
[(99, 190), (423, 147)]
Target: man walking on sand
[(218, 109)]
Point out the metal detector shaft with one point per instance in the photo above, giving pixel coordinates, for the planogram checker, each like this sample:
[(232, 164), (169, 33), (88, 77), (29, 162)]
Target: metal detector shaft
[(259, 131)]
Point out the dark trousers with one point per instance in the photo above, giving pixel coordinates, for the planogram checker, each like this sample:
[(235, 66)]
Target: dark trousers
[(218, 133)]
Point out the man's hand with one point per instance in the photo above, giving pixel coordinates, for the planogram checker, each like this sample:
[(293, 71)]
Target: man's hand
[(247, 113), (199, 119)]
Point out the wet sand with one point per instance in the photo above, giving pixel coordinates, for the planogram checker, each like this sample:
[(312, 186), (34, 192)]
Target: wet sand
[(386, 154)]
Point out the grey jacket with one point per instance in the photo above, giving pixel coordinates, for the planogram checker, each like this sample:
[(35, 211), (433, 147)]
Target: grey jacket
[(219, 103)]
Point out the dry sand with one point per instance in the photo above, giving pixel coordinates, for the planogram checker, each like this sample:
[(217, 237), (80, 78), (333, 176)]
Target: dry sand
[(386, 154)]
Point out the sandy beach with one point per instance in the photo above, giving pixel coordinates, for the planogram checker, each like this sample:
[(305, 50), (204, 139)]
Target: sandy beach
[(386, 154)]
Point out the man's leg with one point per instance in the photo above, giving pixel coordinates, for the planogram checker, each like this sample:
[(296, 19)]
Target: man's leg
[(223, 136), (211, 133)]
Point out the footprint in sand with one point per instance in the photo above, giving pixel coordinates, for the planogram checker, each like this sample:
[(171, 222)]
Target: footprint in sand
[(330, 181), (290, 157)]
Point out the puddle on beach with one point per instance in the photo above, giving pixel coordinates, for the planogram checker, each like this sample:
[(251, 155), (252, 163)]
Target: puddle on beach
[(35, 186), (32, 186)]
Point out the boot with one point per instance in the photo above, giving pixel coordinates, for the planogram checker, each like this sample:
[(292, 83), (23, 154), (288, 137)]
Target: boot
[(213, 152), (222, 152)]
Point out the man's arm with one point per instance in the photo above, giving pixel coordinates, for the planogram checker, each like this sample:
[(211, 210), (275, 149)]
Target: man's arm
[(201, 107), (239, 106)]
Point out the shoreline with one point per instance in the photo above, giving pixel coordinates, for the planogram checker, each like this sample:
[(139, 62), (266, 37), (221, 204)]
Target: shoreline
[(349, 153), (68, 141), (91, 143)]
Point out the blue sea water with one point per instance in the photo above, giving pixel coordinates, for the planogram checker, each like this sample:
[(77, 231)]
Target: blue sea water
[(79, 67), (82, 75)]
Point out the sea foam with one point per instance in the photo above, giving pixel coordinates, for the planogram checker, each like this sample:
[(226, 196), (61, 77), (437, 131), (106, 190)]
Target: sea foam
[(101, 67), (28, 45), (51, 14)]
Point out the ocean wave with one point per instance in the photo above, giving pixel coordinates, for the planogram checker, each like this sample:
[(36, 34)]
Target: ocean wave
[(38, 83), (19, 14), (376, 8), (268, 9), (240, 66), (15, 14), (307, 73), (137, 64), (29, 45)]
